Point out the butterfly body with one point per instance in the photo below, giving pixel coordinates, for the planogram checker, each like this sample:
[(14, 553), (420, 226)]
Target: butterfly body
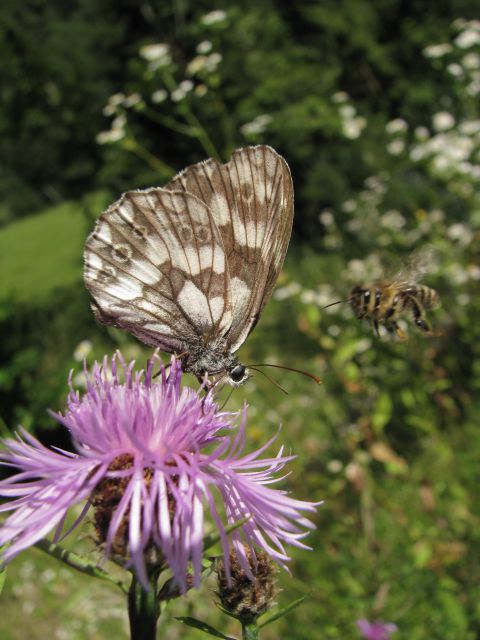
[(189, 267)]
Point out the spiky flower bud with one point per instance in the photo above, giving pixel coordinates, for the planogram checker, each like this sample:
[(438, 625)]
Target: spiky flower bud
[(247, 591)]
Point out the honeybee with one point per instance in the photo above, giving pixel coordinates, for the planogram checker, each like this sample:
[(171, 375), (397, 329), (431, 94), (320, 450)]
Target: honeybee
[(384, 301)]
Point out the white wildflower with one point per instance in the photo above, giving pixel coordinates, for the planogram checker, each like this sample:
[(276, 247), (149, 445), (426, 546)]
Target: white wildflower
[(340, 96), (333, 330), (213, 17), (158, 96), (349, 206), (186, 85), (347, 111), (443, 120), (113, 135), (471, 61), (396, 147), (473, 271), (158, 51), (116, 99), (460, 233), (82, 350), (422, 133), (80, 380), (393, 219), (256, 126), (181, 91), (437, 50), (307, 296), (109, 110), (437, 215), (132, 100), (473, 89), (470, 127), (195, 65), (326, 218), (467, 38), (455, 70), (457, 275), (289, 290), (212, 61), (204, 47), (119, 122), (399, 125), (354, 127), (204, 63), (334, 466)]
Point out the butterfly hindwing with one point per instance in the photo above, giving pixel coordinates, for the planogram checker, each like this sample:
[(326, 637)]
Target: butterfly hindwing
[(155, 265), (251, 200)]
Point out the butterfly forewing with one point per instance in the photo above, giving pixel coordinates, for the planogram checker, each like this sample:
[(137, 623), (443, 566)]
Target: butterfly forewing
[(189, 267), (251, 199), (155, 265)]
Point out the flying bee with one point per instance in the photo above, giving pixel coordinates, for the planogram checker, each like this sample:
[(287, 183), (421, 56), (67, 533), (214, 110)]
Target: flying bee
[(385, 301)]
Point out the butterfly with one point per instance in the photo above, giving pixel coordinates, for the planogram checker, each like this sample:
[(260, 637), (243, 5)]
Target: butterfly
[(189, 267)]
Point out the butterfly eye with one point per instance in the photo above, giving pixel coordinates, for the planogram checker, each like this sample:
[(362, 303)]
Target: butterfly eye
[(237, 374)]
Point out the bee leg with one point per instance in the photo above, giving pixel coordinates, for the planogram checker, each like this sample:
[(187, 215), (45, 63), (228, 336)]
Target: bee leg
[(419, 317), (375, 327), (400, 333)]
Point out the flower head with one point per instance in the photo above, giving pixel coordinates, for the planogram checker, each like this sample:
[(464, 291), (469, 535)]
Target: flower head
[(376, 630), (242, 597), (151, 458)]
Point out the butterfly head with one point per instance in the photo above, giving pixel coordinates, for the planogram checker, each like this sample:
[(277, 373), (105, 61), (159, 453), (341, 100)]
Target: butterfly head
[(215, 360), (237, 375)]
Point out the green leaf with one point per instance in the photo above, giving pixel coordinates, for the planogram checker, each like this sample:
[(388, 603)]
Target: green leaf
[(77, 562), (202, 626), (3, 576), (283, 612), (382, 412)]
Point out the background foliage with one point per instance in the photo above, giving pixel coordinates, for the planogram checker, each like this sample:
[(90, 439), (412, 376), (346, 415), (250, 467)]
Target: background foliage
[(375, 107)]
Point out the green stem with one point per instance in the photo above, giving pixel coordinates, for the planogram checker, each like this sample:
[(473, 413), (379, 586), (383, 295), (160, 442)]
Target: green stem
[(170, 123), (143, 609), (184, 108), (250, 631), (158, 165)]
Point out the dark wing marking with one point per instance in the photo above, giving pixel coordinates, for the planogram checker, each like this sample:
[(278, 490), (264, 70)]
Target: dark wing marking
[(251, 199), (155, 265)]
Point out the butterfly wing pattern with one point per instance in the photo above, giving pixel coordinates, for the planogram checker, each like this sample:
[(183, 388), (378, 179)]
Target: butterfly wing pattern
[(189, 267)]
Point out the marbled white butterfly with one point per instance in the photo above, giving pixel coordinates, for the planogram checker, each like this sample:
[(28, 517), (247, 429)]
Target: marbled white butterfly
[(189, 267)]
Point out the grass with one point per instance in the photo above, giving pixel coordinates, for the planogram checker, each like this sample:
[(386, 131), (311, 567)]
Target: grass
[(42, 253)]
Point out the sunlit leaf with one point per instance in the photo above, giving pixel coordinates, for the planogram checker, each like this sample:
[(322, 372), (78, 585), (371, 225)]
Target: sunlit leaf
[(202, 626)]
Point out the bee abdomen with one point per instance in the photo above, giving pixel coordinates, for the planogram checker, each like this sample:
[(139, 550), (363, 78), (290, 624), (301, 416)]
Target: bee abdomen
[(428, 297)]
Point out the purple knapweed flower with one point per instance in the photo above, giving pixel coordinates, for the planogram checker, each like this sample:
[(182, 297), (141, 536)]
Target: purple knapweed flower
[(151, 458), (376, 630)]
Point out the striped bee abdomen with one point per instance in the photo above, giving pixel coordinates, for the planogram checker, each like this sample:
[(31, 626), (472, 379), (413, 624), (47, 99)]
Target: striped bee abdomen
[(428, 297)]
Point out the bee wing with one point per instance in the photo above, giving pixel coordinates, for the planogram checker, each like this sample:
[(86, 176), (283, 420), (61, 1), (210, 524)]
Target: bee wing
[(251, 199), (155, 265), (418, 263)]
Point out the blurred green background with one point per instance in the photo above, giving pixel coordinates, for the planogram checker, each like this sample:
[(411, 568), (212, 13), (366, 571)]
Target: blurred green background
[(374, 104)]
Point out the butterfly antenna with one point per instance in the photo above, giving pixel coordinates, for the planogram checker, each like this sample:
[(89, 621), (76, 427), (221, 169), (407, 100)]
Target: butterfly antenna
[(274, 382), (334, 303), (281, 366)]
